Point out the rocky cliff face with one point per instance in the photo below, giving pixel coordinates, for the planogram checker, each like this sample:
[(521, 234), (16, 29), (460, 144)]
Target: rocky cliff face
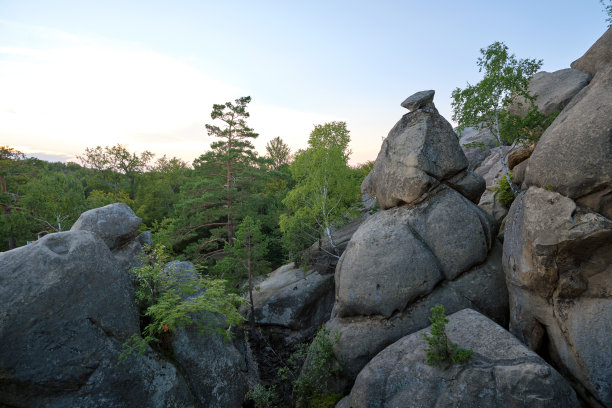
[(558, 242)]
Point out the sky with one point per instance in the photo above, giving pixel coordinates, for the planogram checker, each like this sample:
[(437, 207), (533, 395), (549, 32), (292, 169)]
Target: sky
[(79, 74)]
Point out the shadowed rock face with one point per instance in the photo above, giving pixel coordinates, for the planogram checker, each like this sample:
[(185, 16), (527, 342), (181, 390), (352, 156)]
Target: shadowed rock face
[(558, 266), (294, 302), (65, 311), (501, 373)]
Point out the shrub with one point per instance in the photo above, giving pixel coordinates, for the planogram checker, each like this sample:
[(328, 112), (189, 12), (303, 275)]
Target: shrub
[(169, 302), (439, 349), (263, 397), (319, 366), (503, 192)]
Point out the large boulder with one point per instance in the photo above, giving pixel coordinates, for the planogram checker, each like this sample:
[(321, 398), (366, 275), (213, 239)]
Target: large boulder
[(553, 90), (597, 57), (115, 223), (295, 300), (361, 337), (574, 155), (501, 373), (65, 312), (420, 152), (558, 266), (401, 254)]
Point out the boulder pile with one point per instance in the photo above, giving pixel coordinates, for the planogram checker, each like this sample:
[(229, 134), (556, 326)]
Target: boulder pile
[(430, 245)]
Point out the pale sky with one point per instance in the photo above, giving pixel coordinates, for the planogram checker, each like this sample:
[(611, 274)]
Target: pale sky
[(78, 74)]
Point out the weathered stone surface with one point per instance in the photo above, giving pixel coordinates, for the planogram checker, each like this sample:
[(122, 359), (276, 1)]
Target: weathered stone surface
[(553, 90), (519, 154), (65, 312), (322, 256), (361, 337), (501, 373), (115, 223), (294, 299), (214, 368), (476, 145), (420, 151), (518, 173), (558, 266), (597, 57), (418, 100), (469, 184), (574, 155), (400, 254), (491, 171)]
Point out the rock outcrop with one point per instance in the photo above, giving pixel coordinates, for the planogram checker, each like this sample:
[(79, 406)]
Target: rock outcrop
[(597, 57), (558, 265), (553, 90), (115, 223), (477, 145), (502, 373), (431, 245), (420, 153), (574, 155), (290, 305), (65, 311)]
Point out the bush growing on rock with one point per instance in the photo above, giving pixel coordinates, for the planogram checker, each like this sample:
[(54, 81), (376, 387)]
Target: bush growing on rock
[(503, 192), (172, 300), (439, 348)]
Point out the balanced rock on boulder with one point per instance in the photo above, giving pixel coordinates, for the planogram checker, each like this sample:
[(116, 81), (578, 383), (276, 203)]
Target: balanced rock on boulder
[(430, 245), (501, 373), (420, 152)]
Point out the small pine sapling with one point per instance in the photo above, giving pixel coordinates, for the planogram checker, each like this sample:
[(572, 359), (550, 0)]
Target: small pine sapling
[(439, 349)]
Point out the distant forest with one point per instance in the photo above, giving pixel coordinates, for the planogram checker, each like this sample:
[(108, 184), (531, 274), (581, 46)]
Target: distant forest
[(194, 210)]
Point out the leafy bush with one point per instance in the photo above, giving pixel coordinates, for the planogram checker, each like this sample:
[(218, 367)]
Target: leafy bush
[(263, 397), (439, 348), (319, 366), (171, 301), (527, 128), (503, 192)]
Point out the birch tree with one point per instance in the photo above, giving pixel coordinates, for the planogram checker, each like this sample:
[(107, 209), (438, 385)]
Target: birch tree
[(504, 78)]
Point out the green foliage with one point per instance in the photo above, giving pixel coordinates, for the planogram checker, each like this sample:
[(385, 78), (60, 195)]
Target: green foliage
[(99, 198), (278, 152), (326, 192), (439, 349), (54, 200), (114, 164), (504, 78), (246, 258), (325, 400), (525, 128), (607, 10), (311, 368), (172, 300), (503, 192), (263, 397)]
